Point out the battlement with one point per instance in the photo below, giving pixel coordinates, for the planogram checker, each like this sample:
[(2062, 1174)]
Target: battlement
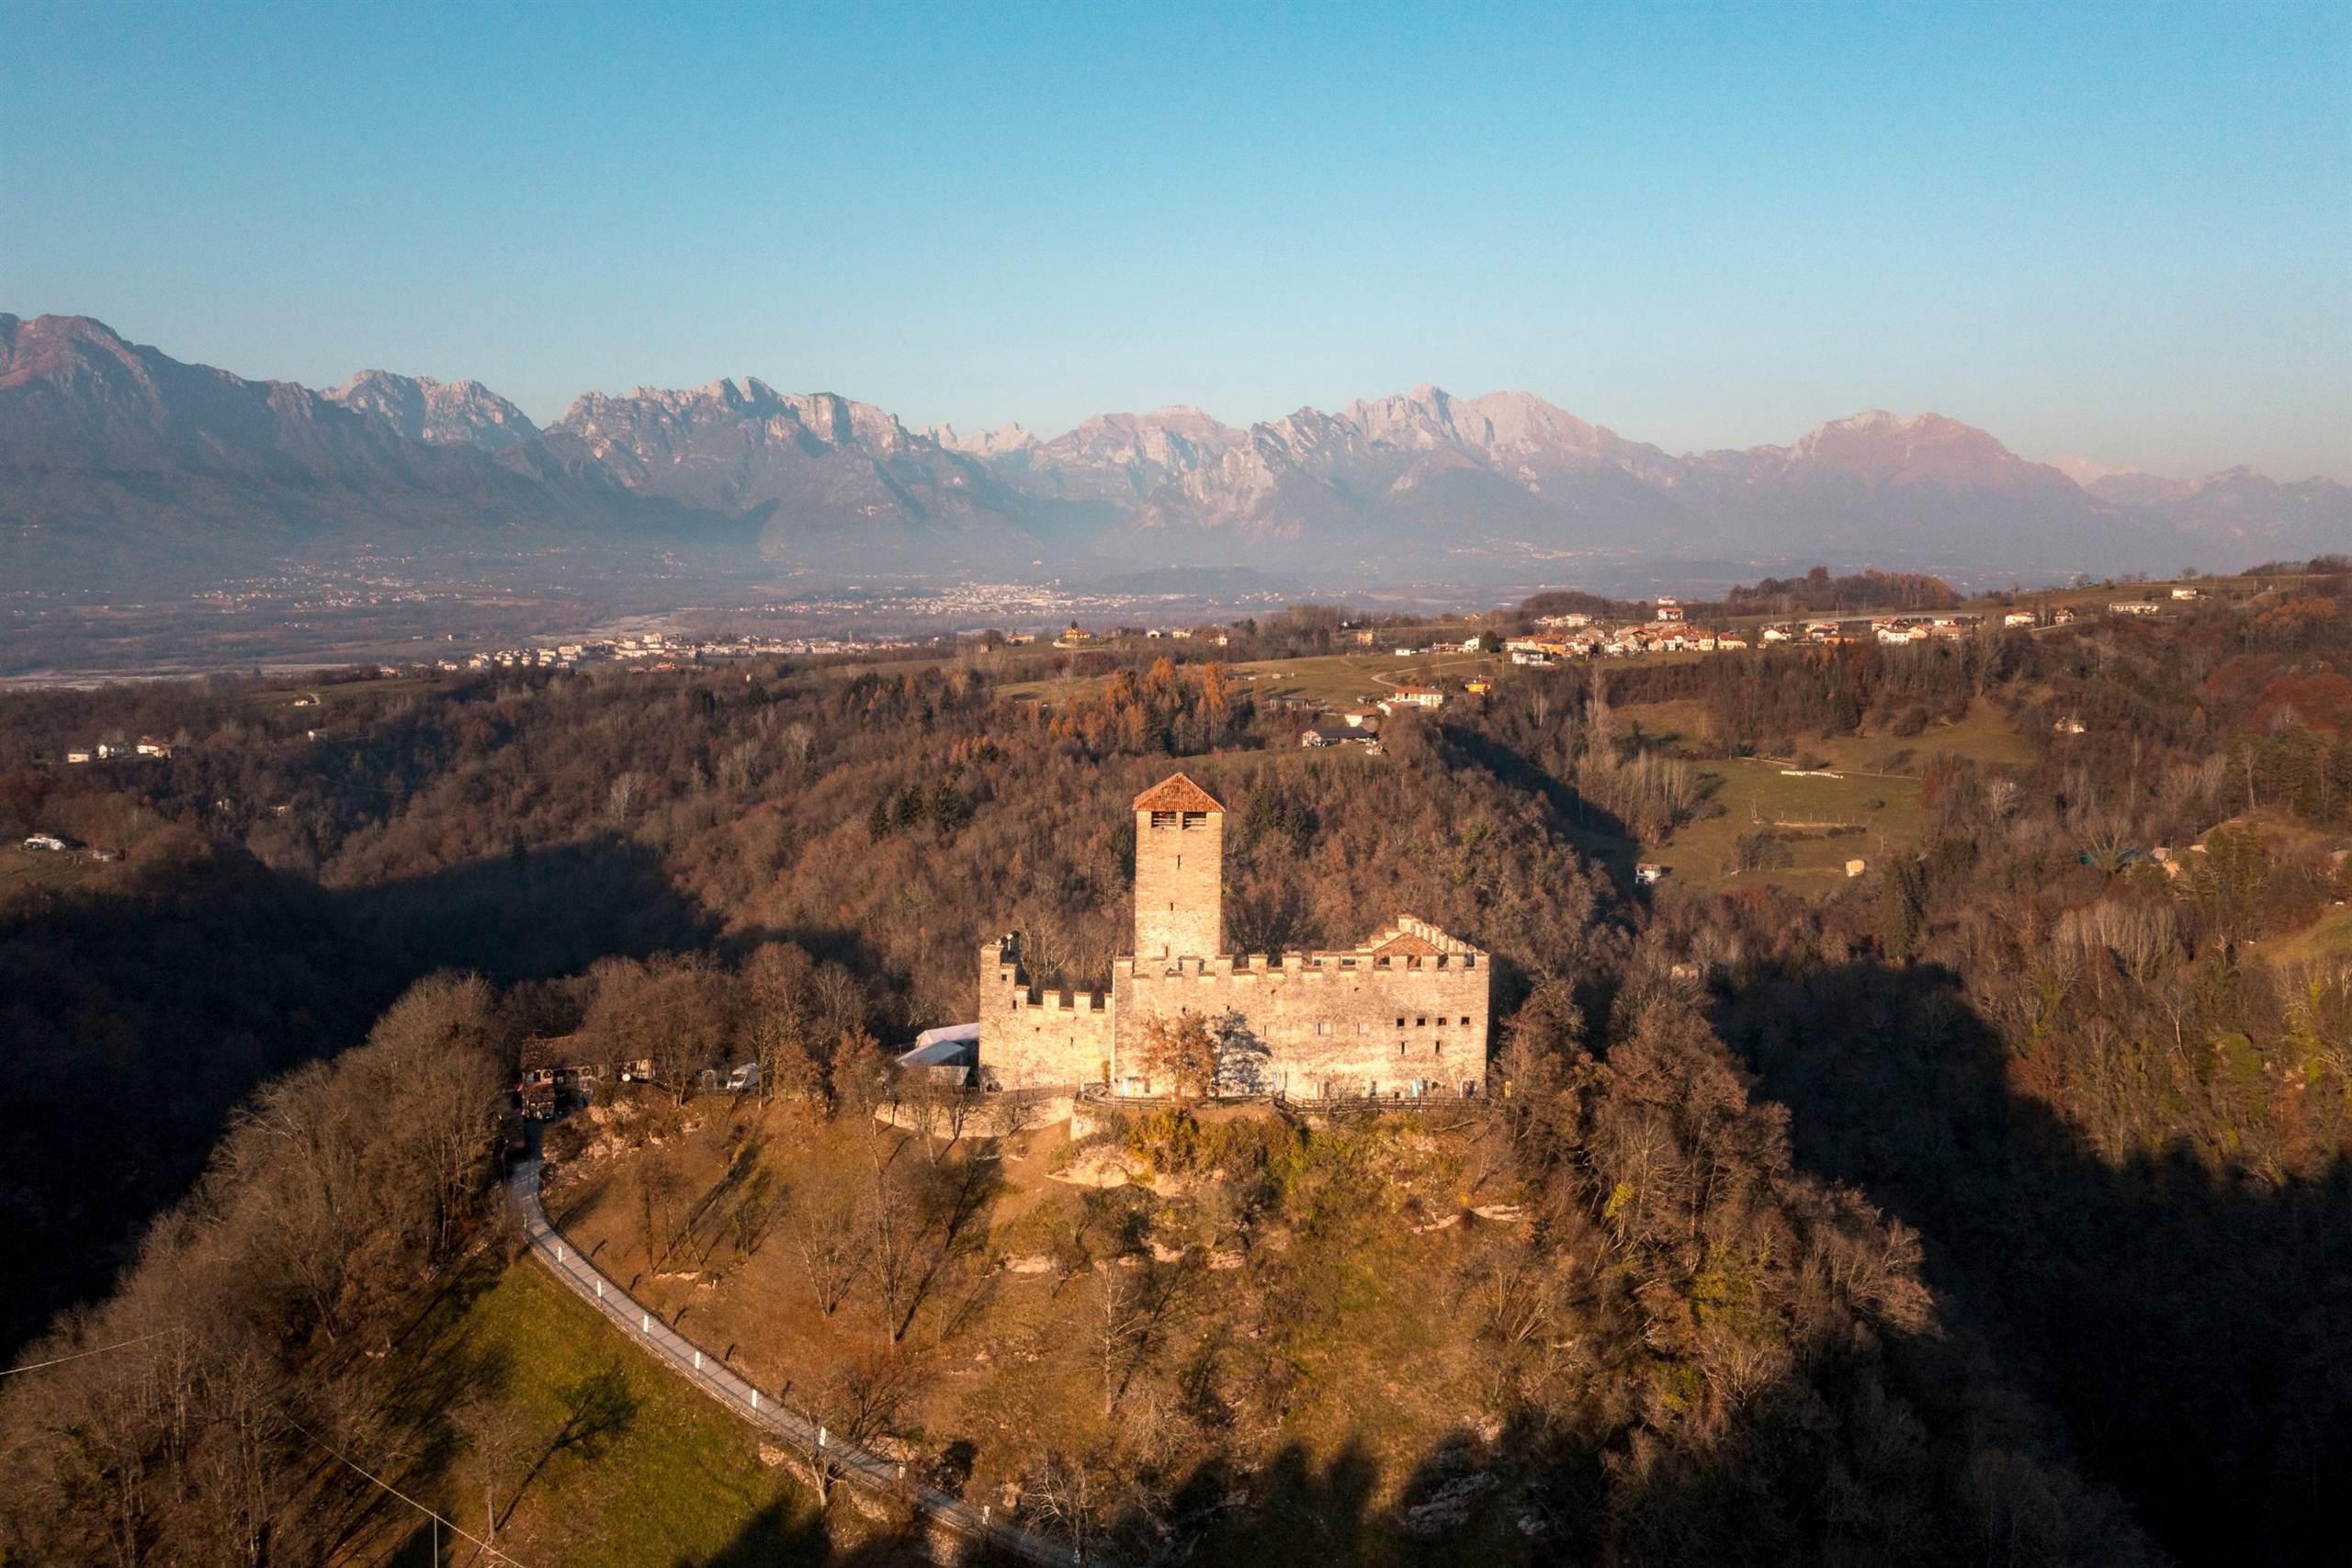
[(1406, 1013), (1306, 964)]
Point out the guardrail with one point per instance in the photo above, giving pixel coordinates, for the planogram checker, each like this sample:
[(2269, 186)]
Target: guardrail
[(554, 1250)]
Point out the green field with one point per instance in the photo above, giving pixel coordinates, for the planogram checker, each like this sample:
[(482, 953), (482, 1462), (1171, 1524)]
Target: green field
[(23, 871), (1330, 681), (673, 1479), (1755, 794), (1878, 792)]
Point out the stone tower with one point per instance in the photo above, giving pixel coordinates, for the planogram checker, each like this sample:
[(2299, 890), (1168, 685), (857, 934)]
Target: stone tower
[(1180, 871)]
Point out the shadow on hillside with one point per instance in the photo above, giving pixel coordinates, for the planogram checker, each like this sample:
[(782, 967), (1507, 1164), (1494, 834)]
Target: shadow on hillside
[(1597, 833), (547, 912), (780, 1534), (139, 1017), (2194, 1333)]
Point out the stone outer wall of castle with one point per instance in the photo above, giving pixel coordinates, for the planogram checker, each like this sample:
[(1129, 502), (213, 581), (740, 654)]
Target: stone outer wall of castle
[(1051, 1041), (1323, 1024)]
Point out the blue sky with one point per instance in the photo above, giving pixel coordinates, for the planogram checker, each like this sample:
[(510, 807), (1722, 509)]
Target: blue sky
[(2123, 233)]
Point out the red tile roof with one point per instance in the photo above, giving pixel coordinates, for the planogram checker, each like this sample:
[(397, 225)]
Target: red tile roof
[(1177, 793)]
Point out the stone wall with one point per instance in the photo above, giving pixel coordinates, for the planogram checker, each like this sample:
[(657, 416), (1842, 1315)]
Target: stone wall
[(1180, 883), (1315, 1025), (1033, 1039)]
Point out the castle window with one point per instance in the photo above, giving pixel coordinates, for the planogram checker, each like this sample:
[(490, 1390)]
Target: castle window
[(1400, 1023), (1466, 1021), (1438, 1049), (1420, 1024)]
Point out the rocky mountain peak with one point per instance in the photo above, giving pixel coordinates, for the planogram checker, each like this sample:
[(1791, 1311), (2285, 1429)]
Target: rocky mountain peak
[(442, 413)]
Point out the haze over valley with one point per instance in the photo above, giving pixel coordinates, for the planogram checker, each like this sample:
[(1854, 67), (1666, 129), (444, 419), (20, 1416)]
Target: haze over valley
[(128, 475)]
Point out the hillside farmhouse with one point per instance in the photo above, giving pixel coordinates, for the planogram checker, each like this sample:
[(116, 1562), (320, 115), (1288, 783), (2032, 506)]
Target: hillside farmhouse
[(1404, 1015)]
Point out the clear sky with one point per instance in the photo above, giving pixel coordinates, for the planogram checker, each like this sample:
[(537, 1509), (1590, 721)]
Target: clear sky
[(2122, 233)]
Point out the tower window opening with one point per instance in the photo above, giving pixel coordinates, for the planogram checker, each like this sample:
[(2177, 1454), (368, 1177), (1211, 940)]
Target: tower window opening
[(1163, 819)]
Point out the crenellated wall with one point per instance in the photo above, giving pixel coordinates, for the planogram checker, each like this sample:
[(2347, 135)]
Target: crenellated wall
[(1405, 1014), (1311, 1025), (1034, 1038)]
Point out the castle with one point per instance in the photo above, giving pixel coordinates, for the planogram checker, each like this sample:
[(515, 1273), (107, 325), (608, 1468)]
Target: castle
[(1403, 1016)]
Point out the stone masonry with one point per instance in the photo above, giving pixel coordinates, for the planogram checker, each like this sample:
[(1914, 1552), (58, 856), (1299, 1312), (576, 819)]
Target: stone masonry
[(1402, 1015)]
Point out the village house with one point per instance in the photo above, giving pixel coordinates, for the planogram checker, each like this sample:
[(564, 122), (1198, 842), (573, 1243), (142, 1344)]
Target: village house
[(1413, 697), (2018, 618), (2132, 607), (2188, 592), (1402, 1016), (77, 756), (1669, 610)]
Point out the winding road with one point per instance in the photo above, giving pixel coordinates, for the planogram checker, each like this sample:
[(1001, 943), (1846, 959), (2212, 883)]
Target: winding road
[(681, 1355)]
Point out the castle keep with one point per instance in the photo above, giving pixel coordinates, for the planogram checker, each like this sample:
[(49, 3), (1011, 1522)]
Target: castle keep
[(1405, 1014)]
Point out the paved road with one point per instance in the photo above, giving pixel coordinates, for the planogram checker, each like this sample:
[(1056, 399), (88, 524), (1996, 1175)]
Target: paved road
[(681, 1355)]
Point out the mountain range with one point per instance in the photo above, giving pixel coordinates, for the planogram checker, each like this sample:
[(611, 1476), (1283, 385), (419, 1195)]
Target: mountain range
[(112, 451)]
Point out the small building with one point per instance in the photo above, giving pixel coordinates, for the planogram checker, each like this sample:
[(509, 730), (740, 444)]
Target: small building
[(49, 843), (1479, 687), (149, 746), (2018, 618), (2132, 607), (2061, 615), (2070, 725), (77, 756), (554, 1076), (1648, 872), (1313, 736), (1413, 697), (1362, 719), (1856, 867), (2188, 593), (1669, 610), (945, 1055)]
